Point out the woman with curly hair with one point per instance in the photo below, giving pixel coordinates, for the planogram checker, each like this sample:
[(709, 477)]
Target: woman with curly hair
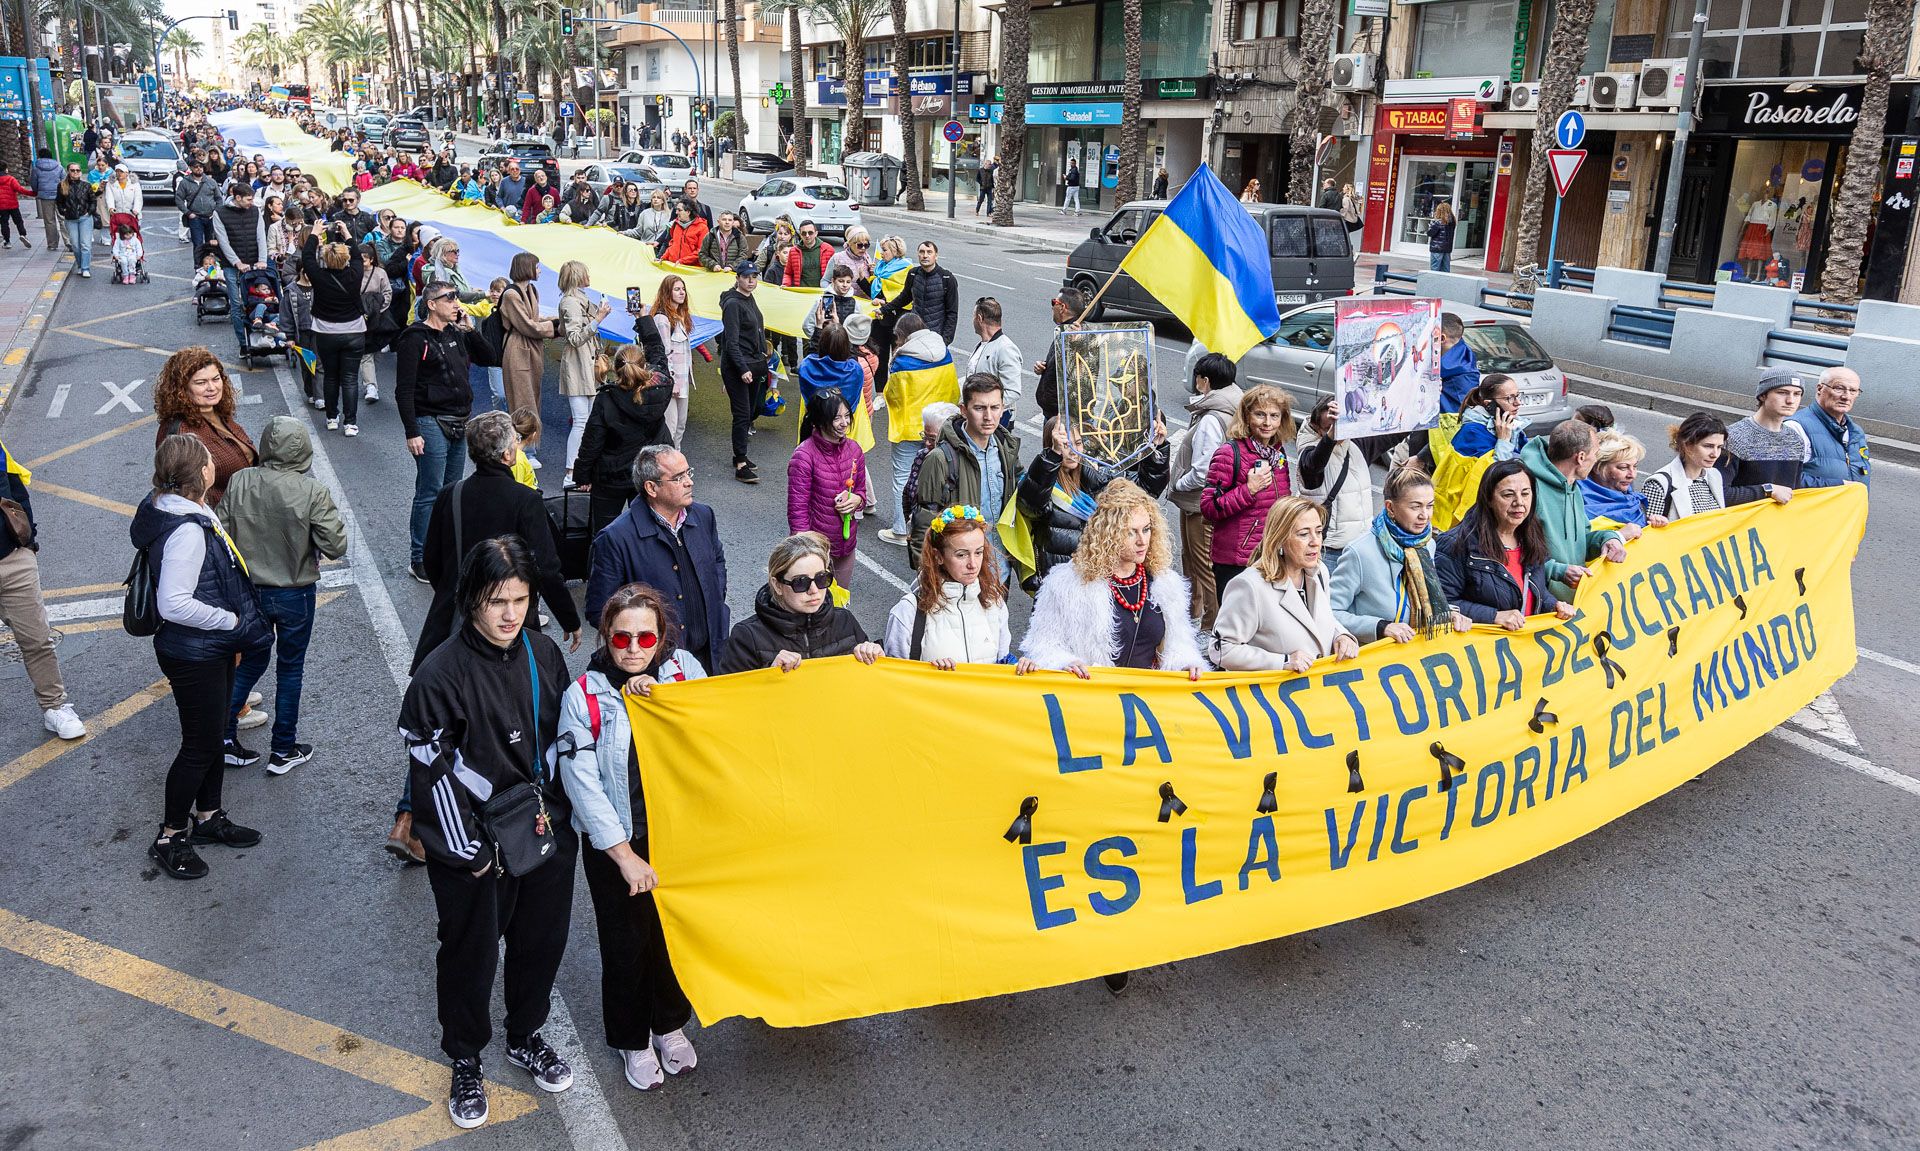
[(1119, 603), (194, 396), (957, 611)]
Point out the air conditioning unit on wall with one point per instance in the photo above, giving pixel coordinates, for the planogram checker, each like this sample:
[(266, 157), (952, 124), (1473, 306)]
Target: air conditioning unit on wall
[(1523, 98), (1662, 83), (1352, 72), (1612, 90), (1582, 89)]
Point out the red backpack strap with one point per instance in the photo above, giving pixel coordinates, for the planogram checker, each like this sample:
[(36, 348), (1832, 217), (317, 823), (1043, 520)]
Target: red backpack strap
[(593, 707)]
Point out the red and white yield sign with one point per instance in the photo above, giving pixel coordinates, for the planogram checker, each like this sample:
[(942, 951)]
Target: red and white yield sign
[(1564, 163)]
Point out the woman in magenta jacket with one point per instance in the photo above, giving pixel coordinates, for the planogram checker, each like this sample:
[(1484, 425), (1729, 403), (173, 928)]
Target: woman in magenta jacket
[(1248, 473), (827, 480)]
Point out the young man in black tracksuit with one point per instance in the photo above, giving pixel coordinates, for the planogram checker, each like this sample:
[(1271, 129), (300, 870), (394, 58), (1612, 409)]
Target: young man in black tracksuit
[(480, 717), (743, 361)]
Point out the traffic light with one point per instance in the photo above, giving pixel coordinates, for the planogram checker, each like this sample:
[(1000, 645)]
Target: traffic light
[(566, 21), (233, 19)]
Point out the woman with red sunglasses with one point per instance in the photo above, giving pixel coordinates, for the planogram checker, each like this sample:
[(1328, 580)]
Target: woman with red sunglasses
[(794, 616), (642, 1006)]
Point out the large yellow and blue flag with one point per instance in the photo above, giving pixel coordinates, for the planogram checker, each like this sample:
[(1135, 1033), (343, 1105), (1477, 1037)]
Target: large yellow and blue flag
[(1206, 261)]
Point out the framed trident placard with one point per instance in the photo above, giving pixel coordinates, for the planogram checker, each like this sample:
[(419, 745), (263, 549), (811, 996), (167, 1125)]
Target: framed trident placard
[(1106, 391)]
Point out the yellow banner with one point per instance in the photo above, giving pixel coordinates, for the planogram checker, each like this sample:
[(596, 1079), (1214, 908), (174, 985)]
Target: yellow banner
[(616, 261), (814, 869)]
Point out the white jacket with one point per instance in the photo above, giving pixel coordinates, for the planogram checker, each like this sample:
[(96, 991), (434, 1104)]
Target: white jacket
[(1260, 623), (593, 768), (124, 198), (1350, 518), (960, 629), (1073, 621), (1000, 357)]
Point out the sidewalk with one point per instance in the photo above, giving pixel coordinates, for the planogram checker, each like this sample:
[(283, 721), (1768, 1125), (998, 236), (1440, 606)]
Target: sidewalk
[(30, 284)]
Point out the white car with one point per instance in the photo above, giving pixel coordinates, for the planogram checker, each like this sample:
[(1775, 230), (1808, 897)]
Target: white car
[(154, 160), (670, 165), (826, 203)]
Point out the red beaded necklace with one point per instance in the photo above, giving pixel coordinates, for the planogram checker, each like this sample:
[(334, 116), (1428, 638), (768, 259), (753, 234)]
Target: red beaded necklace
[(1130, 592)]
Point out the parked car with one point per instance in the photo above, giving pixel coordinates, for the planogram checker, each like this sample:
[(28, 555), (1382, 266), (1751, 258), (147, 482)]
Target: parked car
[(669, 164), (1299, 358), (759, 164), (1307, 247), (154, 160), (600, 178), (528, 152), (373, 127), (826, 202), (409, 134)]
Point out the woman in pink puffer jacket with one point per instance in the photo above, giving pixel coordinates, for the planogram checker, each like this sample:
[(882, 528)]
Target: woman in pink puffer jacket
[(1248, 473), (827, 480)]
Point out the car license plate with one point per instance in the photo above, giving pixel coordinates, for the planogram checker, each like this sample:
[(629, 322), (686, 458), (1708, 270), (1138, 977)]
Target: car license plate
[(1532, 400), (1290, 298)]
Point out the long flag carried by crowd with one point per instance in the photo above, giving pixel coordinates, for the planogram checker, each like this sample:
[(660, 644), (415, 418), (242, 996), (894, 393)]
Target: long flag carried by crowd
[(1205, 259), (280, 141)]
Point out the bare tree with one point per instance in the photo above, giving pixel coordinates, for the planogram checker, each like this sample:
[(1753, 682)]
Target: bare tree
[(1317, 19), (1883, 51), (903, 97), (1016, 40), (1566, 52), (1133, 130)]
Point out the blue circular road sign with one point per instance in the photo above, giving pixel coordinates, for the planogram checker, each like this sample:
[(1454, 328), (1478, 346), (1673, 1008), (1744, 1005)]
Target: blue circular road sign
[(1570, 129), (953, 131)]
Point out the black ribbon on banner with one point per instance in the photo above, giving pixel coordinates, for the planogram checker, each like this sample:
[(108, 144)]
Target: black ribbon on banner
[(1740, 602), (1541, 716), (1673, 642), (1602, 644), (1170, 804), (1021, 830), (1800, 580), (1268, 804), (1449, 764), (1354, 782)]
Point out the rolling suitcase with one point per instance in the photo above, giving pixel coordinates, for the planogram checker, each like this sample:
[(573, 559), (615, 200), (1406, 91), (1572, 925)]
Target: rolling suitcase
[(569, 513)]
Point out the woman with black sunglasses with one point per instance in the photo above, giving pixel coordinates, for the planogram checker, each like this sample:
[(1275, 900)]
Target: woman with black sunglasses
[(642, 1007), (794, 617)]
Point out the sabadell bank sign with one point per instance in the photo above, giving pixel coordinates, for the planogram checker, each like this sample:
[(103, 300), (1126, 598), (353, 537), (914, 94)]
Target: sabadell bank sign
[(1771, 110)]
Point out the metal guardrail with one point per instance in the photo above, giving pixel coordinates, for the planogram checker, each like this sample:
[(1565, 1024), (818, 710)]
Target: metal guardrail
[(1652, 327), (1385, 279), (1569, 276), (1796, 341), (1806, 309)]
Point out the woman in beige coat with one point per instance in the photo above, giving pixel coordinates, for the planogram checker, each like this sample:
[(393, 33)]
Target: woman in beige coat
[(1277, 615), (580, 328), (522, 363)]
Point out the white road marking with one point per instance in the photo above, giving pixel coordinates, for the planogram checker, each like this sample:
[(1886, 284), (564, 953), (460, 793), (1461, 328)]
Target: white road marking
[(59, 403), (1849, 761), (1890, 661), (119, 397), (1823, 717), (873, 566), (84, 609), (989, 283), (1056, 265), (583, 1109)]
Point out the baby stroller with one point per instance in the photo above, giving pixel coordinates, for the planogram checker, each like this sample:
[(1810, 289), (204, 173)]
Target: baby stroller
[(266, 335), (129, 250), (210, 299)]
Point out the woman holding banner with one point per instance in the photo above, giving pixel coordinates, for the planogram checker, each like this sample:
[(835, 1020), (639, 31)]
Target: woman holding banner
[(1493, 566), (794, 617), (1690, 482), (641, 1005), (1277, 615), (957, 611), (1388, 584)]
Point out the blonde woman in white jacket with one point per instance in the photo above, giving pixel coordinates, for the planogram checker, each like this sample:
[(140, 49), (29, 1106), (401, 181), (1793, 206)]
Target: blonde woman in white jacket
[(1335, 474), (1277, 615), (957, 611)]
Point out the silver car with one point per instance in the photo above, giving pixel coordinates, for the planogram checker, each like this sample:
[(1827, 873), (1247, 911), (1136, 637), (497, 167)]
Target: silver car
[(671, 165), (154, 160), (1299, 358), (825, 202), (600, 178)]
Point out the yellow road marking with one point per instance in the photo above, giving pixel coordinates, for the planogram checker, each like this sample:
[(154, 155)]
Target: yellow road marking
[(231, 368), (15, 356), (83, 589), (83, 445), (99, 725), (75, 494), (268, 1023), (49, 293)]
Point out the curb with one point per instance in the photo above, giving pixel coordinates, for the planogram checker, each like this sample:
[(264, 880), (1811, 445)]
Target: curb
[(25, 341)]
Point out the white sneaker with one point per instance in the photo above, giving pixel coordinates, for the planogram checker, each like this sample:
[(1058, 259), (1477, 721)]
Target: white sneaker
[(643, 1068), (351, 429), (317, 402), (889, 536), (253, 699), (373, 393), (676, 1052), (333, 424), (251, 719), (533, 462), (63, 722)]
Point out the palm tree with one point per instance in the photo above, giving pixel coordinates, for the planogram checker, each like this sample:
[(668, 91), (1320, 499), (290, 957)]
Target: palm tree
[(1566, 52), (261, 51), (1016, 40), (903, 97), (802, 125), (1317, 21), (1133, 132), (1883, 51), (182, 44), (731, 14), (852, 20)]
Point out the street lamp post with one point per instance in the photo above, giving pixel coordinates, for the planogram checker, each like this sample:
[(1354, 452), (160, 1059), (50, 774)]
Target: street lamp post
[(953, 109), (699, 87)]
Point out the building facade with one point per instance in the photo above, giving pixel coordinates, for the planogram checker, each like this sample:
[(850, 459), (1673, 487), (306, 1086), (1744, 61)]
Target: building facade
[(665, 71)]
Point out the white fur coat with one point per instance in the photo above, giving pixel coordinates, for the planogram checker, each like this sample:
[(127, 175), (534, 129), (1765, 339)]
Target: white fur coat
[(1073, 620)]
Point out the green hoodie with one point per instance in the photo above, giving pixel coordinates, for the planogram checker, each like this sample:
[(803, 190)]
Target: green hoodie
[(278, 515), (1571, 538)]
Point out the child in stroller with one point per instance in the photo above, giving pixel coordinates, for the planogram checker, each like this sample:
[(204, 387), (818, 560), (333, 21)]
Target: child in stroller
[(209, 285), (260, 291), (129, 252)]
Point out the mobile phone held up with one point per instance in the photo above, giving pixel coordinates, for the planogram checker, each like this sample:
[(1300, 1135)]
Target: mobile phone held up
[(635, 304)]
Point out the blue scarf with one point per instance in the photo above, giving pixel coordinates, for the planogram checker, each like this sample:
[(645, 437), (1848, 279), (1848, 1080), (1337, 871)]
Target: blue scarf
[(1611, 503), (1401, 537), (1417, 597)]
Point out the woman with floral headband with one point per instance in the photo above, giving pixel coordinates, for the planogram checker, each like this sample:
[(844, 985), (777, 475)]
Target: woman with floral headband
[(957, 612)]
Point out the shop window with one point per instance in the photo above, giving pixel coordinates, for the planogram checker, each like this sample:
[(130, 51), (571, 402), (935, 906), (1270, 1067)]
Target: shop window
[(1060, 38), (1773, 39), (1174, 35), (1465, 38), (1774, 200), (1266, 20)]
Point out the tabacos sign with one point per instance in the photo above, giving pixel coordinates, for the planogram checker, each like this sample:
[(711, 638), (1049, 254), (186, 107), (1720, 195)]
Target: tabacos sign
[(1415, 119)]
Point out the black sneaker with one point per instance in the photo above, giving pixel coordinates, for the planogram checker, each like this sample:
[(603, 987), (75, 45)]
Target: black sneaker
[(239, 756), (467, 1099), (419, 573), (542, 1062), (745, 473), (217, 828), (177, 858), (281, 762)]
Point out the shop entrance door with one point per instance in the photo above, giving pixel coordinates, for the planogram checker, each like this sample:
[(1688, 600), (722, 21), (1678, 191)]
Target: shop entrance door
[(1464, 182)]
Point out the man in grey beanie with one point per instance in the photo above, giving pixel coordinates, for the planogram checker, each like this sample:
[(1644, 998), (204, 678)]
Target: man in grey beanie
[(1766, 451)]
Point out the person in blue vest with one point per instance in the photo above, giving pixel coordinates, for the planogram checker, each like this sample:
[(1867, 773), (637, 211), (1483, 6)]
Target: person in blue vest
[(1837, 445)]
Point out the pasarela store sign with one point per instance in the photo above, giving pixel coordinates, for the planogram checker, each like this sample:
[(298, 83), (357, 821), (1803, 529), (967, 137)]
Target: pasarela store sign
[(1772, 110)]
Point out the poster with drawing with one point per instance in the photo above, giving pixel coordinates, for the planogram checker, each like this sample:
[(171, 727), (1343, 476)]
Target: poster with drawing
[(1106, 391), (1386, 365)]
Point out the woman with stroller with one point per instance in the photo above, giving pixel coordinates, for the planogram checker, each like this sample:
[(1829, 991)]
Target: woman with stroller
[(125, 203)]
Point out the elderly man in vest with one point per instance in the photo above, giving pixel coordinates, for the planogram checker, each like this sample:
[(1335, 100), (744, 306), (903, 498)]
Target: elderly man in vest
[(1836, 444)]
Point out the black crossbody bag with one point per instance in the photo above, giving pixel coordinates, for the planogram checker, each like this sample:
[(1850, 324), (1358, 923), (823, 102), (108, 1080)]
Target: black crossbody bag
[(517, 820)]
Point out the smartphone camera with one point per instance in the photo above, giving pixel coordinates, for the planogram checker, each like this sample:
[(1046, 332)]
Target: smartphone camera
[(635, 304)]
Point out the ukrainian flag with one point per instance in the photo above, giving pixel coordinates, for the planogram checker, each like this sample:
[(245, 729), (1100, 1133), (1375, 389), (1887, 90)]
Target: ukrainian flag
[(1206, 261), (913, 384)]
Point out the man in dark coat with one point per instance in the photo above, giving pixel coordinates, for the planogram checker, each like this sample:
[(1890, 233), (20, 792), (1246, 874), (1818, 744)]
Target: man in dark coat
[(668, 542)]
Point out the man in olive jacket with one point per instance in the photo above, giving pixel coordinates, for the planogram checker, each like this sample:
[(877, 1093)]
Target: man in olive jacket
[(975, 461), (282, 521)]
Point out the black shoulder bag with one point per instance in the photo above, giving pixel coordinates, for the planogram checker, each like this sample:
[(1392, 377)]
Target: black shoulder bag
[(517, 819)]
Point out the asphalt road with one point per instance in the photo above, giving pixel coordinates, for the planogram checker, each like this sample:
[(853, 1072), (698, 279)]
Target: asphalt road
[(1734, 965)]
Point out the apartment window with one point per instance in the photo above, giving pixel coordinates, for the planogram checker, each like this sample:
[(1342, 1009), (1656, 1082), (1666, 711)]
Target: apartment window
[(1266, 20), (1599, 36), (1465, 38), (826, 60), (931, 53), (1174, 35), (1061, 37), (1773, 39)]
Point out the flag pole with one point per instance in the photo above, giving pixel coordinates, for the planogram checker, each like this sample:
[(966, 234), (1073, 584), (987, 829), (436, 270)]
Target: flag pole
[(1091, 304)]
